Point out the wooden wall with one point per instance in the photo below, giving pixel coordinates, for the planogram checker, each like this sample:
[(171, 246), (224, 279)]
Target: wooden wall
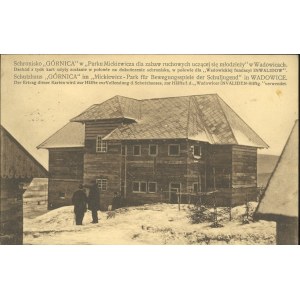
[(11, 212), (219, 162), (162, 169), (244, 166), (66, 163), (104, 166), (65, 174)]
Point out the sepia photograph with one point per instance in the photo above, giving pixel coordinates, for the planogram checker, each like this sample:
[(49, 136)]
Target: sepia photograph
[(149, 149)]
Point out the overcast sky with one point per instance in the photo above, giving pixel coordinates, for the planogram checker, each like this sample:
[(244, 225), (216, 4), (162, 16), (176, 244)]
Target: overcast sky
[(32, 113)]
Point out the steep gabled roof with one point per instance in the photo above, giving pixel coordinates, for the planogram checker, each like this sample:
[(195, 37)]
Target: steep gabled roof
[(69, 136), (16, 161), (113, 108), (281, 195), (202, 117)]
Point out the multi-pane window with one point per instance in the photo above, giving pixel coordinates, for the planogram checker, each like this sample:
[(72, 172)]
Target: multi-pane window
[(197, 150), (174, 150), (137, 150), (152, 187), (139, 187), (102, 184), (153, 150), (143, 187), (101, 146)]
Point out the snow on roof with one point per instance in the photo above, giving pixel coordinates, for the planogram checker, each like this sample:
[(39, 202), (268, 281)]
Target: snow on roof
[(205, 118), (69, 136), (16, 161), (113, 108), (281, 195)]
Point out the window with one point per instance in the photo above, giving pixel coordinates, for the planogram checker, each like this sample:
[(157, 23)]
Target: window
[(102, 184), (197, 150), (62, 195), (143, 187), (153, 150), (101, 146), (195, 187), (123, 150), (174, 150), (139, 187), (152, 187), (137, 150), (136, 186)]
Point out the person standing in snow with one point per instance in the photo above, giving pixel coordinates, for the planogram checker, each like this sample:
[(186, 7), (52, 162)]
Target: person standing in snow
[(116, 202), (79, 201), (94, 202)]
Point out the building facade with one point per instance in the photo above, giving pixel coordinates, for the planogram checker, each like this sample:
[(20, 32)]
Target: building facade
[(18, 168), (156, 150)]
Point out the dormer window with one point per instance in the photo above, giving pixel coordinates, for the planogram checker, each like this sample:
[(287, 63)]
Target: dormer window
[(101, 146)]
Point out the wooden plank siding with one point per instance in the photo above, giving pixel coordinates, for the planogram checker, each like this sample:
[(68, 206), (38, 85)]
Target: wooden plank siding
[(11, 212), (162, 169), (65, 174), (66, 163), (60, 191), (244, 174), (244, 167)]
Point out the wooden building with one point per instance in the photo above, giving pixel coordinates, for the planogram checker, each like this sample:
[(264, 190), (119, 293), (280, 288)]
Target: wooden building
[(155, 150), (280, 203), (66, 149), (18, 168)]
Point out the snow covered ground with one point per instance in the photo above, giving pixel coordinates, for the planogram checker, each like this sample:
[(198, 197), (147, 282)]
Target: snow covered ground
[(154, 224)]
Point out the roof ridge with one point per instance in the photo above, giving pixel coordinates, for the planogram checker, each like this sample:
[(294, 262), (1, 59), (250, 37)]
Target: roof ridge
[(86, 110), (218, 100), (238, 117), (120, 106), (199, 112), (185, 96)]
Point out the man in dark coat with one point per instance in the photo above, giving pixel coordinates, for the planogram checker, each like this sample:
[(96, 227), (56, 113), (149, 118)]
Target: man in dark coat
[(94, 202), (116, 202), (79, 201)]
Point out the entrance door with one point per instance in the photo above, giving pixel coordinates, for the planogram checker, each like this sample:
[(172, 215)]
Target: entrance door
[(174, 192)]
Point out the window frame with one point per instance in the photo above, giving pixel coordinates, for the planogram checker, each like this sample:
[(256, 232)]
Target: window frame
[(100, 187), (156, 149), (169, 146), (102, 147), (140, 151), (151, 182), (139, 189), (146, 186), (133, 182), (200, 150)]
